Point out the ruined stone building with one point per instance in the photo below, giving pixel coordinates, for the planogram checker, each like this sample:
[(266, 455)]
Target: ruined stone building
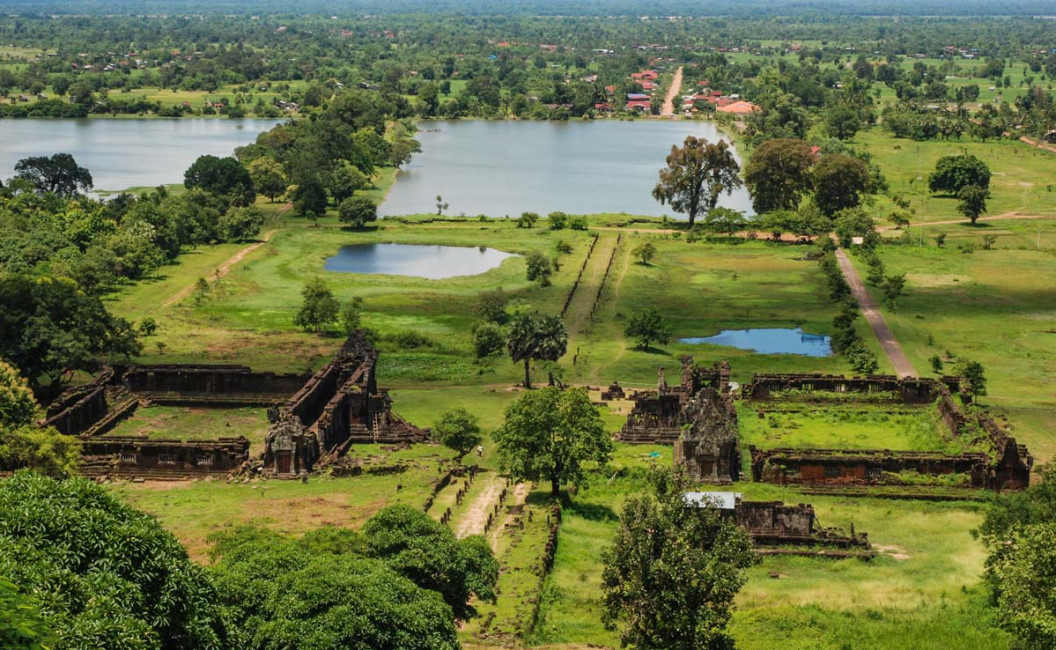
[(1006, 466), (697, 417), (772, 523), (314, 418)]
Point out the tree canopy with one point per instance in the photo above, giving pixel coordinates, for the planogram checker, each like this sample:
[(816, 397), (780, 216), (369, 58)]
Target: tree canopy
[(549, 434), (105, 574), (954, 173), (697, 173), (839, 182), (458, 429), (319, 307), (48, 326), (222, 177), (778, 175), (58, 174), (672, 572)]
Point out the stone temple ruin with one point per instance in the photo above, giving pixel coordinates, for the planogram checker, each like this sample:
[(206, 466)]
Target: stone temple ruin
[(774, 524), (697, 417), (1006, 465), (314, 419)]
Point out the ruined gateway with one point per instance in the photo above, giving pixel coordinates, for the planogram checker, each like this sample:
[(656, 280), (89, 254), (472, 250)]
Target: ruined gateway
[(697, 417)]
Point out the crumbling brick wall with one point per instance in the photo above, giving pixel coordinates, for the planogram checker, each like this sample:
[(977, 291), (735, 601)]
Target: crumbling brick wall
[(78, 408), (139, 456), (190, 384), (864, 467)]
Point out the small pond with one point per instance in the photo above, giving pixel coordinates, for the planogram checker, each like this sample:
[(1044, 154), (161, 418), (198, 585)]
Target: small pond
[(417, 260), (771, 341)]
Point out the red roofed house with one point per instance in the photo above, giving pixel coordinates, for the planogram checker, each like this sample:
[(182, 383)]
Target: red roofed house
[(638, 101)]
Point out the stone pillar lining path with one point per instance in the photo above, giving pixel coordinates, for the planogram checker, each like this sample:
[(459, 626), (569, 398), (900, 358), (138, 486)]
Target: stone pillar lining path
[(903, 368)]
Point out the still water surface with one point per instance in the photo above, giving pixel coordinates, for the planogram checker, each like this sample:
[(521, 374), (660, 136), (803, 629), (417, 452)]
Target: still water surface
[(123, 153), (423, 261), (771, 341), (499, 168)]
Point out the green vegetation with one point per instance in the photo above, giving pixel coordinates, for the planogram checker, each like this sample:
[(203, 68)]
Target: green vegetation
[(860, 122)]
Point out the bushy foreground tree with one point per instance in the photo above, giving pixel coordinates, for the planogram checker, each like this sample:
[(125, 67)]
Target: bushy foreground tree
[(549, 434), (104, 575), (1019, 532), (221, 177), (398, 584), (672, 572)]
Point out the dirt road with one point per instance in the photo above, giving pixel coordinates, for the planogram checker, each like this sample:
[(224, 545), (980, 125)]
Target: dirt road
[(668, 109), (221, 270), (903, 368)]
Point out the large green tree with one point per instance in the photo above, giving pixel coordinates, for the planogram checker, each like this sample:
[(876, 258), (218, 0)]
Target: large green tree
[(697, 173), (105, 574), (221, 177), (58, 174), (49, 327), (549, 434), (778, 175), (954, 173), (673, 570), (839, 183)]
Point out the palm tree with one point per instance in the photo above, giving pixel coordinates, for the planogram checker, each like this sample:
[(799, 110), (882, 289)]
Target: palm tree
[(521, 343), (552, 339), (541, 338)]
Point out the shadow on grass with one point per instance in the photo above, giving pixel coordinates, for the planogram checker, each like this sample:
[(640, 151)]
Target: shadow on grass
[(592, 511)]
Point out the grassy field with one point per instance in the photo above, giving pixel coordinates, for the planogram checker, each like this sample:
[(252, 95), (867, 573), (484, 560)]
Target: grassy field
[(193, 423), (846, 426), (1021, 181)]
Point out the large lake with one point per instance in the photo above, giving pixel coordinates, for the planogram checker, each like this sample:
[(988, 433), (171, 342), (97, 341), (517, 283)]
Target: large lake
[(123, 153), (508, 167)]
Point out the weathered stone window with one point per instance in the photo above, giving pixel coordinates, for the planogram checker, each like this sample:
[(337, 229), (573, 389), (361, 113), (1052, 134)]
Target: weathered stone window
[(166, 459)]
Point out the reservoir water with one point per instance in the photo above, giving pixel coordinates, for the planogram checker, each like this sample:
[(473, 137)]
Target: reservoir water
[(508, 167), (771, 341), (417, 260), (123, 153)]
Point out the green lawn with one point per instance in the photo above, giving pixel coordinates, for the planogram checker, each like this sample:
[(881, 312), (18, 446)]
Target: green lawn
[(840, 426), (1021, 181), (197, 423)]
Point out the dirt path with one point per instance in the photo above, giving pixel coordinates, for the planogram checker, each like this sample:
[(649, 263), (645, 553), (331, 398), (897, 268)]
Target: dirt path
[(578, 315), (672, 94), (903, 368), (517, 497), (953, 222), (475, 518), (1039, 145), (221, 270)]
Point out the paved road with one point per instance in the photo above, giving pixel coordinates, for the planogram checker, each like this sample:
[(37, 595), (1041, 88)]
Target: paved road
[(672, 94), (903, 368)]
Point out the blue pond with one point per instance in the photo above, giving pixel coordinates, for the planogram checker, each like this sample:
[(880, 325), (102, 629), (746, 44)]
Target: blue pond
[(771, 341), (417, 260)]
